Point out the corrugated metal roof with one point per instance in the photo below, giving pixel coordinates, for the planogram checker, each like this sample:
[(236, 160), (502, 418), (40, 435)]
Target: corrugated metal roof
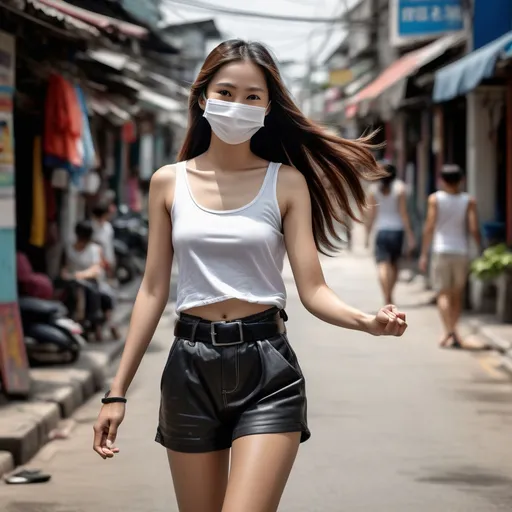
[(68, 21), (97, 20)]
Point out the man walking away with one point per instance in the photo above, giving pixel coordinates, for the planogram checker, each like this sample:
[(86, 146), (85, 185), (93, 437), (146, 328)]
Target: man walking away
[(451, 215)]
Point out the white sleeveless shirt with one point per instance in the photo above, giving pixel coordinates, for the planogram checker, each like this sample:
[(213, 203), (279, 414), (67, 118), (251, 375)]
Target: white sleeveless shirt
[(78, 261), (228, 254), (451, 231), (388, 211)]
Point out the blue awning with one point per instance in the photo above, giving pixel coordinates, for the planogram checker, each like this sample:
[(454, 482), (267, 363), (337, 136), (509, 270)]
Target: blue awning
[(508, 52), (465, 74)]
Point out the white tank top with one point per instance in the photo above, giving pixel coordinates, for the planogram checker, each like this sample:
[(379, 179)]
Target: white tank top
[(228, 254), (77, 261), (388, 212), (451, 232)]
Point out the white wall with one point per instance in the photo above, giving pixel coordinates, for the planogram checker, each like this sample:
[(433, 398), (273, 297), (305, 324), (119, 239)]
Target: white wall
[(483, 109)]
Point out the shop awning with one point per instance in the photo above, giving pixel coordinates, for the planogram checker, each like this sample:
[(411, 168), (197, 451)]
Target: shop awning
[(401, 69), (465, 74), (41, 13), (169, 83), (508, 52), (98, 20), (115, 60), (106, 108), (160, 101)]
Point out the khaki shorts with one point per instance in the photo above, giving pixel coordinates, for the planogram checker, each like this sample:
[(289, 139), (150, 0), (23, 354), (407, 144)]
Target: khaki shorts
[(449, 271)]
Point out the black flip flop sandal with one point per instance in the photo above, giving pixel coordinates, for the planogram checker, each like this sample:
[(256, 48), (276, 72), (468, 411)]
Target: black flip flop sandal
[(455, 344), (27, 476)]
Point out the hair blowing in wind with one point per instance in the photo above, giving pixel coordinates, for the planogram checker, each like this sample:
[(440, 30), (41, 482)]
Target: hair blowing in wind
[(332, 166)]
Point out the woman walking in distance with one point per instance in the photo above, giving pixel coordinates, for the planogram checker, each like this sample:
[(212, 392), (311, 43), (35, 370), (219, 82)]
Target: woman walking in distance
[(388, 214), (248, 188)]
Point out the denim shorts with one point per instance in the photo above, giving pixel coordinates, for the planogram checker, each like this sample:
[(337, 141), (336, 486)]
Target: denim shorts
[(388, 245)]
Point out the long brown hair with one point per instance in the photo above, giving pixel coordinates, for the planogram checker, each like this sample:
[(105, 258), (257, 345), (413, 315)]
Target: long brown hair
[(333, 166)]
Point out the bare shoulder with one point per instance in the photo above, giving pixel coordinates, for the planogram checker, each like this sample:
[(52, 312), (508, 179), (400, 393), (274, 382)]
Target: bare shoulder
[(291, 178), (472, 201), (166, 175), (162, 185), (432, 199)]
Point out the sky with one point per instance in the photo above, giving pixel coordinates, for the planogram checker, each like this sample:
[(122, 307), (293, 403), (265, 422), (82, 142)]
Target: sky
[(290, 41)]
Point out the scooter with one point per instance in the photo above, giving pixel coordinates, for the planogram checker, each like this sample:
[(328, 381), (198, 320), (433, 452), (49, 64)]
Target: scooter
[(134, 233), (51, 337), (124, 213), (126, 265)]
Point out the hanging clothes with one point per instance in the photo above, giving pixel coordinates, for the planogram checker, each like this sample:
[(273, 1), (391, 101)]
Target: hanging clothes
[(63, 126), (89, 153), (38, 225)]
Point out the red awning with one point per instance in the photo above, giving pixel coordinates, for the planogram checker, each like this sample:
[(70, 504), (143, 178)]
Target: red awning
[(98, 20), (401, 69)]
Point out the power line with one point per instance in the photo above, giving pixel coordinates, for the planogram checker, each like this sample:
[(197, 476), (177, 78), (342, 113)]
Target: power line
[(197, 4)]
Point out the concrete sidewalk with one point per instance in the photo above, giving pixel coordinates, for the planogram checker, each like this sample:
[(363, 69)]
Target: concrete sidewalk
[(57, 391)]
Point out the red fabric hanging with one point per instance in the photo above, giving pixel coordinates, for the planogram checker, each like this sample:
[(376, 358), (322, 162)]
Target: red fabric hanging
[(63, 121)]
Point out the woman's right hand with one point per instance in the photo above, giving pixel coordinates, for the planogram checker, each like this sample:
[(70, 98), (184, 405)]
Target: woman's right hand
[(105, 429)]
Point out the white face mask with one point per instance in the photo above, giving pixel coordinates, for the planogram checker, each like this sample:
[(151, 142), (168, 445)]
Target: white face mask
[(234, 123)]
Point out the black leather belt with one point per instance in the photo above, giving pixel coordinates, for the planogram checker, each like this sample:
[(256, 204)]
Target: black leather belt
[(222, 334)]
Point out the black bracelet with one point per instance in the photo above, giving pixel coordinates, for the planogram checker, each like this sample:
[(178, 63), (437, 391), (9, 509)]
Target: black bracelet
[(113, 400), (107, 399)]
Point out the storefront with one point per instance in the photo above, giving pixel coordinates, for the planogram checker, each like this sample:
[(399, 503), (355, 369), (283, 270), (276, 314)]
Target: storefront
[(13, 359), (477, 80)]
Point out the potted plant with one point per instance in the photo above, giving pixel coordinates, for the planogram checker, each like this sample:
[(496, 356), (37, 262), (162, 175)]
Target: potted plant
[(495, 265)]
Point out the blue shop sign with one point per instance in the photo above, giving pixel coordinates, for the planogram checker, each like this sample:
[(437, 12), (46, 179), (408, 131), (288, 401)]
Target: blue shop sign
[(419, 18)]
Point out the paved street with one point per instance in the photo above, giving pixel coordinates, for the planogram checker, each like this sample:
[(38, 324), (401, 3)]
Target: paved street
[(398, 425)]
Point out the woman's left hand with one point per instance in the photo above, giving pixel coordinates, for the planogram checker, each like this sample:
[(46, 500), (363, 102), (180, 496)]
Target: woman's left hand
[(388, 322)]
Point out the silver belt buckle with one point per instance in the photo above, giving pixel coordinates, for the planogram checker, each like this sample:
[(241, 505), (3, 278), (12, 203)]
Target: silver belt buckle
[(213, 334)]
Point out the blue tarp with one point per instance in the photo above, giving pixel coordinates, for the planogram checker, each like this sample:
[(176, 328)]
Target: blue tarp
[(465, 74)]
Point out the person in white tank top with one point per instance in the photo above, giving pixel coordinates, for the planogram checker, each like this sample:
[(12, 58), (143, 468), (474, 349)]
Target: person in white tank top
[(451, 218), (389, 218), (248, 189)]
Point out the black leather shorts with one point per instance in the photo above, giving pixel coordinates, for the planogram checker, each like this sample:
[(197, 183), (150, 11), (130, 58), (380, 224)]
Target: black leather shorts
[(212, 395)]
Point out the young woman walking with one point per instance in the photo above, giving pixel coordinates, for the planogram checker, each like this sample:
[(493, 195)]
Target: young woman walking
[(249, 187), (388, 215)]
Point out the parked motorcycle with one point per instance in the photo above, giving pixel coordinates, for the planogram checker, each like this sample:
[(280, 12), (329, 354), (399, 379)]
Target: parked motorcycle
[(126, 265), (124, 213), (134, 233), (51, 337), (130, 245)]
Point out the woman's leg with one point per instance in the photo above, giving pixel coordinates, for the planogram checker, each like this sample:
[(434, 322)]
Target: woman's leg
[(200, 480), (393, 279), (260, 466), (92, 307), (383, 257), (107, 305), (385, 275)]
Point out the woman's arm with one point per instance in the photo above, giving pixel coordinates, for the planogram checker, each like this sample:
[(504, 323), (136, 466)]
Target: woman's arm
[(149, 305), (370, 215), (402, 207), (154, 290), (314, 293)]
